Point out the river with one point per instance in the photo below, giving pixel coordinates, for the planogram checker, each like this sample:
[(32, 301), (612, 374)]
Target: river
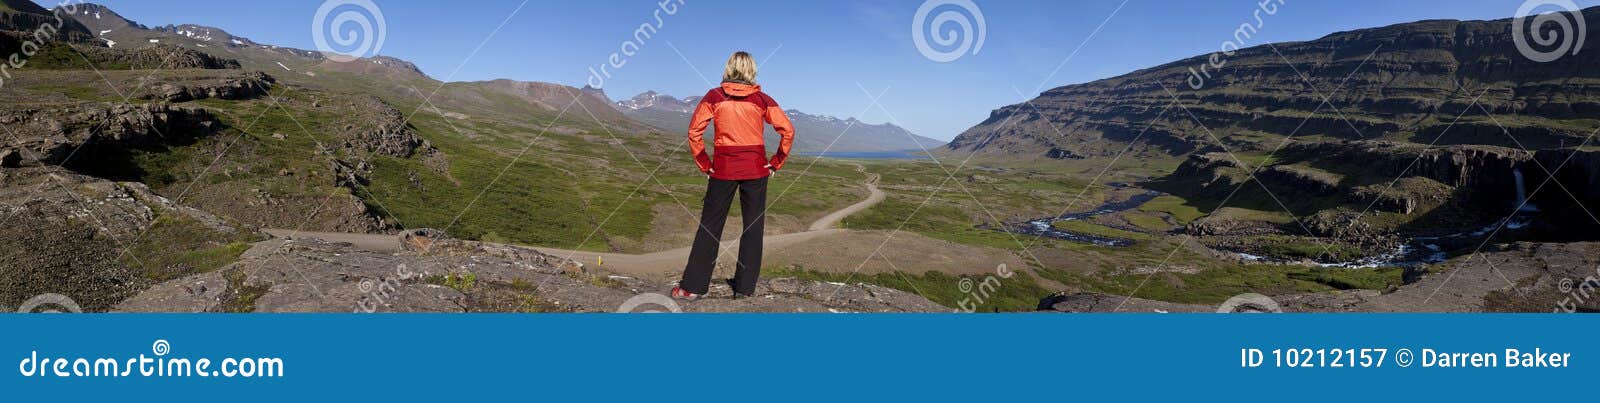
[(1410, 252), (1429, 249), (1413, 251), (1044, 226)]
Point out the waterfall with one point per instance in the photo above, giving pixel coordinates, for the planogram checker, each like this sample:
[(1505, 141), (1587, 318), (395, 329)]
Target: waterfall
[(1522, 193)]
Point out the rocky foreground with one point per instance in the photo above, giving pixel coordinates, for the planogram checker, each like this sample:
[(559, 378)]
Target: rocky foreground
[(459, 276), (1520, 277)]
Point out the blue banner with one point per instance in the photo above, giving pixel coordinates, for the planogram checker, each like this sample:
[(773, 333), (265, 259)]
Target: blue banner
[(944, 357)]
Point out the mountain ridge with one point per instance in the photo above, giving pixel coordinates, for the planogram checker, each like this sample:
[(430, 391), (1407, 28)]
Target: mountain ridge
[(1406, 81), (1364, 138), (819, 132)]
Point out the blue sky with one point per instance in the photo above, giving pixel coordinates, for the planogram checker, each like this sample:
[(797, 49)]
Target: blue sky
[(818, 54)]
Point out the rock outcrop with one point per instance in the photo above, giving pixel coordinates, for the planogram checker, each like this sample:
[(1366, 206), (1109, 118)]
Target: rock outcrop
[(51, 133), (382, 131), (243, 85), (156, 57), (315, 276), (1333, 181)]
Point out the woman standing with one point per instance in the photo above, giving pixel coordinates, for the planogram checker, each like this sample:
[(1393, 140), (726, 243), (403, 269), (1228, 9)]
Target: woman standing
[(740, 164)]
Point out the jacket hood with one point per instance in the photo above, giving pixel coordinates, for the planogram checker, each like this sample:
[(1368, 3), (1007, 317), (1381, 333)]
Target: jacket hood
[(734, 89)]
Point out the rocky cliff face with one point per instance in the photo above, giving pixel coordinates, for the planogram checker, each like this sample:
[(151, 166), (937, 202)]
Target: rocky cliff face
[(157, 57), (1416, 128), (49, 134), (1423, 188), (22, 19), (1406, 82), (231, 86), (1476, 168), (100, 19)]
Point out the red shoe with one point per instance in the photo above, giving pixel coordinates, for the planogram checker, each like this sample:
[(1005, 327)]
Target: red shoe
[(679, 293)]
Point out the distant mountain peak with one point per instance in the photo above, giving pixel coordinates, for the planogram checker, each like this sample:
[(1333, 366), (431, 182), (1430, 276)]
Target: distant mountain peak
[(24, 15), (24, 6), (397, 63), (208, 34), (817, 132), (101, 19), (596, 92), (658, 101)]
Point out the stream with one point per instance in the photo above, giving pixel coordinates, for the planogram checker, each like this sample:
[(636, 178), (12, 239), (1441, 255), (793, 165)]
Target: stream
[(1043, 226), (1411, 252)]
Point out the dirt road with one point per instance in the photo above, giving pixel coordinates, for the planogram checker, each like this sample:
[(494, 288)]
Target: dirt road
[(874, 196)]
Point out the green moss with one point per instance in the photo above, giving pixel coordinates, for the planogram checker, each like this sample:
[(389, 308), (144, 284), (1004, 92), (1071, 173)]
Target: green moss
[(463, 282), (934, 220), (1244, 214), (1174, 206), (175, 246), (518, 296), (241, 296), (1147, 222), (1070, 186)]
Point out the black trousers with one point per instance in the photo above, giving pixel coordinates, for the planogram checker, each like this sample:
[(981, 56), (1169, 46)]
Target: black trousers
[(708, 238)]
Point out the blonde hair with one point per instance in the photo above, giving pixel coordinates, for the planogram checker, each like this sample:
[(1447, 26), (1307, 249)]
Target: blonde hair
[(741, 68)]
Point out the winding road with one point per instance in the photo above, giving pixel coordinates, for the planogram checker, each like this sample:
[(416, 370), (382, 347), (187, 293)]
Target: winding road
[(648, 264), (874, 196)]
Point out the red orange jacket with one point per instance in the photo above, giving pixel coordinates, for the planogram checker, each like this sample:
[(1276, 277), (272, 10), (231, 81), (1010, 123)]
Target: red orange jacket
[(741, 112)]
